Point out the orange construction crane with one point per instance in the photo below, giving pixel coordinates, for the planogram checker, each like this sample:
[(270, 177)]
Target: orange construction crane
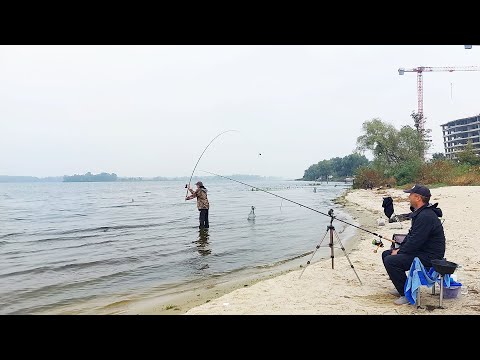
[(419, 70)]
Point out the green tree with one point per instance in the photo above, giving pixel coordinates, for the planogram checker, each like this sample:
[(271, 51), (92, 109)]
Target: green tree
[(390, 146), (310, 173), (407, 172), (336, 167), (351, 163), (416, 119), (438, 156), (468, 155), (324, 169), (318, 171)]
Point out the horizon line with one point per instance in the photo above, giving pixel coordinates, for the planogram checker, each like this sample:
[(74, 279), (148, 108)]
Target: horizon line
[(146, 177)]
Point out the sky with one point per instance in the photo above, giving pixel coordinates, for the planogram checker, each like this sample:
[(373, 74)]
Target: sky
[(151, 110)]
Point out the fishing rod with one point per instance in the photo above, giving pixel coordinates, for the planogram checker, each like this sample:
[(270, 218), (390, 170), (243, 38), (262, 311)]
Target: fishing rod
[(378, 242), (189, 181)]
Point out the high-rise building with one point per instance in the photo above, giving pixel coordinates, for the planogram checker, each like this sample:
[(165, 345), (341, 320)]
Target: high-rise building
[(457, 133)]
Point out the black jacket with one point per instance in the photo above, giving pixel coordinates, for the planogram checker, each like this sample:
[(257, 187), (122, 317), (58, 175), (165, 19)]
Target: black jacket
[(426, 238)]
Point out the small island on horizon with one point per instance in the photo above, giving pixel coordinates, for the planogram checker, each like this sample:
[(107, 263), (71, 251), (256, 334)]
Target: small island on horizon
[(106, 177), (89, 177)]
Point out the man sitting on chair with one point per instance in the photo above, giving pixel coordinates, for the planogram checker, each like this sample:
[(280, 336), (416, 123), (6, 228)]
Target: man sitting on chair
[(425, 240)]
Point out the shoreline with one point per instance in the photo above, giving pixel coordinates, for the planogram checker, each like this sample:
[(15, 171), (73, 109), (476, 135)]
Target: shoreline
[(322, 290), (350, 245), (178, 299), (278, 288), (180, 302)]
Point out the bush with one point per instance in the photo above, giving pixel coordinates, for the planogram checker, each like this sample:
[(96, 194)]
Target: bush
[(366, 176), (391, 181), (465, 175), (408, 172), (436, 172)]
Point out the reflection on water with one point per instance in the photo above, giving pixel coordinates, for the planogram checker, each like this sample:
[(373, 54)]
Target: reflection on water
[(203, 247), (198, 263)]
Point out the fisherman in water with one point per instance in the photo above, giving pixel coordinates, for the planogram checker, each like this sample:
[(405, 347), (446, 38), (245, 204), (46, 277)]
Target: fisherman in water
[(202, 203)]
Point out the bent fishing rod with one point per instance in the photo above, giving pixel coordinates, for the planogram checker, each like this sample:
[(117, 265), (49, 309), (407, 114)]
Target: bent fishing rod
[(307, 207), (189, 181)]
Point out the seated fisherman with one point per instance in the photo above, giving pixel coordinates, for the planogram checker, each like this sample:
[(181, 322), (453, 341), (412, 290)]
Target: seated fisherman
[(425, 240)]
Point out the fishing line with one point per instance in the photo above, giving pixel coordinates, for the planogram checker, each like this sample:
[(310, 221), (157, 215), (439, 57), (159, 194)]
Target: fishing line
[(189, 181), (307, 207)]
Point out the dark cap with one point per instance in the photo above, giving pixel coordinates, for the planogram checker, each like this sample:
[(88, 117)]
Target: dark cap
[(199, 183), (420, 190)]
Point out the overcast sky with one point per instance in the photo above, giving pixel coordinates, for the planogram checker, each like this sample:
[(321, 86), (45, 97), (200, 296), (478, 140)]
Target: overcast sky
[(151, 110)]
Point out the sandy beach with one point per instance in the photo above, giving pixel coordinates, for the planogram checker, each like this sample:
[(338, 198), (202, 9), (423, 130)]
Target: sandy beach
[(323, 290)]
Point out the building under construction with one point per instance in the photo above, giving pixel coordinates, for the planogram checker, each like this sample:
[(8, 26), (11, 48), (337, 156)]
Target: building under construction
[(457, 133)]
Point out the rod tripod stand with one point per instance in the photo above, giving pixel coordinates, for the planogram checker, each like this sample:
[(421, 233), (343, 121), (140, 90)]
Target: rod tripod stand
[(331, 230)]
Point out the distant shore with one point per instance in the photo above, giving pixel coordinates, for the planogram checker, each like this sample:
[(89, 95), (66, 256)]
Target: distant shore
[(111, 178)]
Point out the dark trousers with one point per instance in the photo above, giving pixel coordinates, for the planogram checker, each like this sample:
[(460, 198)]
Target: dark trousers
[(203, 219), (396, 265)]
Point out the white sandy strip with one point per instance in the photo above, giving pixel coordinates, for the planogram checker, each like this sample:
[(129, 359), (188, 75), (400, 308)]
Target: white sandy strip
[(322, 290)]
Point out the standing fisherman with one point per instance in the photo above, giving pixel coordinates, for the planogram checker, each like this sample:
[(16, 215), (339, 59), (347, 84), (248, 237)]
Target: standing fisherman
[(202, 203)]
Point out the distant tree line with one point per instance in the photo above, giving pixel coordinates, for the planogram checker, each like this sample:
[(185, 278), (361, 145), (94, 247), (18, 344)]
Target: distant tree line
[(89, 177), (130, 179), (336, 168)]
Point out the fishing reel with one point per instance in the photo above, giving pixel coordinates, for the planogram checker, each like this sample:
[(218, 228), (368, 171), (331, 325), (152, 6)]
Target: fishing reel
[(378, 243)]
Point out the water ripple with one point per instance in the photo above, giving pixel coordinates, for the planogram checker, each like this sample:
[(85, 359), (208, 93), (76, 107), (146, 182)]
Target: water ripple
[(65, 244)]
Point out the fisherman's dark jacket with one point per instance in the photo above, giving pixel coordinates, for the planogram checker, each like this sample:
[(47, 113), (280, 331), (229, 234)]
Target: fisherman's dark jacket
[(426, 238)]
